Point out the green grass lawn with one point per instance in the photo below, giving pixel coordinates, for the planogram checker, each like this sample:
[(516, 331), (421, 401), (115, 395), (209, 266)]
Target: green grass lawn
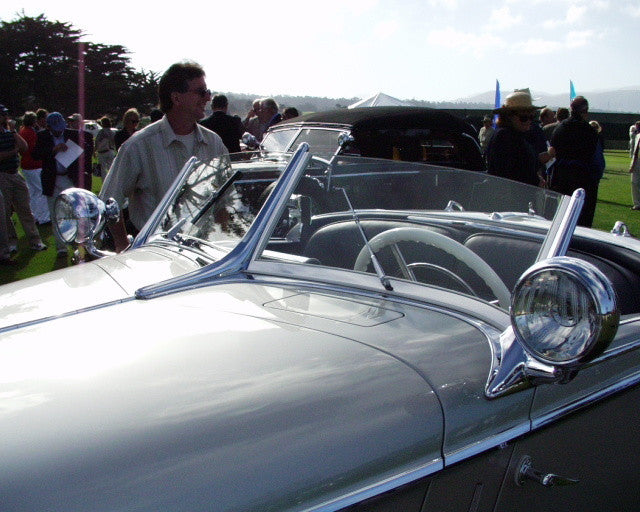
[(614, 202), (614, 195)]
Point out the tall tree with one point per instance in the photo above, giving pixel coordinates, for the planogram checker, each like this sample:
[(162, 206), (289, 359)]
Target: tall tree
[(39, 68)]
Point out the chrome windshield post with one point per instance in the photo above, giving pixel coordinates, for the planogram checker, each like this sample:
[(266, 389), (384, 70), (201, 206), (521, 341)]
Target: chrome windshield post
[(255, 239), (557, 241)]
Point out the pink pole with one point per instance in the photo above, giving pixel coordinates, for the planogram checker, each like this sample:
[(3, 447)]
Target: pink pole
[(81, 161)]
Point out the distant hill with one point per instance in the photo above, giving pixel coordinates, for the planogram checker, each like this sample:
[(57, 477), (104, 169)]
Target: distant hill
[(620, 100)]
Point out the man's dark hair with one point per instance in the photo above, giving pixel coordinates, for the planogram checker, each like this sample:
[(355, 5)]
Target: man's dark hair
[(29, 118), (579, 105), (155, 115), (219, 101), (175, 79), (41, 113), (562, 113)]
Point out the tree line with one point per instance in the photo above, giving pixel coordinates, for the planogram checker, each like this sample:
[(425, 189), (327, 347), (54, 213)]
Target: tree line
[(40, 62)]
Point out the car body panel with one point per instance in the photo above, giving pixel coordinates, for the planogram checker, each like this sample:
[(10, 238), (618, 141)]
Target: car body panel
[(185, 403), (91, 284), (416, 337)]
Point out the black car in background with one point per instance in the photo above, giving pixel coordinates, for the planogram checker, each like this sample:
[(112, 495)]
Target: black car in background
[(413, 134)]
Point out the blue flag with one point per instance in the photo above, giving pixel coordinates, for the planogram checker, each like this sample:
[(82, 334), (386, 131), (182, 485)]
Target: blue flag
[(572, 91), (496, 103)]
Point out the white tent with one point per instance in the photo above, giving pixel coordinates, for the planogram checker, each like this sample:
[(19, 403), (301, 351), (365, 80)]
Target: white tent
[(380, 100)]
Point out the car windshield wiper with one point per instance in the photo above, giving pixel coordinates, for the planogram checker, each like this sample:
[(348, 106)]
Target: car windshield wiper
[(384, 279)]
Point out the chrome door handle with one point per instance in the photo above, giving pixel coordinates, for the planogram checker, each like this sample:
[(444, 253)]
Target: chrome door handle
[(526, 471)]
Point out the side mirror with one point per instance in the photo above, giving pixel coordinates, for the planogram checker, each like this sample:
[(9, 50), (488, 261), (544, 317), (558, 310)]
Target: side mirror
[(80, 216), (344, 139), (563, 315)]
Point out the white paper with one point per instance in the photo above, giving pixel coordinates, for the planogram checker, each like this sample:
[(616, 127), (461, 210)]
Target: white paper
[(66, 158)]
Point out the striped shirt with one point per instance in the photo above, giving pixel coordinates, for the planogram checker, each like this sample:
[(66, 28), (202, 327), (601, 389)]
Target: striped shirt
[(148, 163)]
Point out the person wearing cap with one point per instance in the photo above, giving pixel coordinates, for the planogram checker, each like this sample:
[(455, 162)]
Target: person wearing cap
[(575, 143), (485, 134), (14, 190), (55, 177), (150, 160), (510, 154)]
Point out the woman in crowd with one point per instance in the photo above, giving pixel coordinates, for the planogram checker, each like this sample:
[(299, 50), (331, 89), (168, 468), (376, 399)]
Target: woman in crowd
[(105, 146), (31, 170)]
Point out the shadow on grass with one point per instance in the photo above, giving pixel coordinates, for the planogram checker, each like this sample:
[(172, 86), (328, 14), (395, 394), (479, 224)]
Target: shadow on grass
[(613, 203)]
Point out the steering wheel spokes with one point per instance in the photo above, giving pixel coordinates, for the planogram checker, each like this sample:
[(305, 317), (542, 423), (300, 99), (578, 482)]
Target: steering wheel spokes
[(393, 237)]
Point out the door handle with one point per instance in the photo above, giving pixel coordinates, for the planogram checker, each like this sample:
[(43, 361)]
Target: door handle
[(526, 471)]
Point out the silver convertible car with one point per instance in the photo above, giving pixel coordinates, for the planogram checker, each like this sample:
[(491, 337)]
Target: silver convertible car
[(290, 333)]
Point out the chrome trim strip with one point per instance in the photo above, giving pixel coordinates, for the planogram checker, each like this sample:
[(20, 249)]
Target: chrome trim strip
[(383, 486), (630, 319), (73, 312), (486, 444), (612, 353), (580, 403)]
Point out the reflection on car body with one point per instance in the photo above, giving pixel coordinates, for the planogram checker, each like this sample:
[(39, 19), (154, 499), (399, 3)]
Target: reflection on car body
[(291, 332)]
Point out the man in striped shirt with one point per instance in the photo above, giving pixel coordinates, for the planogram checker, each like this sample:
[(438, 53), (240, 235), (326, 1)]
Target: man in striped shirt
[(149, 161)]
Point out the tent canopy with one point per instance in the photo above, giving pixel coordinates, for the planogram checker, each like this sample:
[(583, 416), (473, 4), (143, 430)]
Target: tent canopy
[(380, 100)]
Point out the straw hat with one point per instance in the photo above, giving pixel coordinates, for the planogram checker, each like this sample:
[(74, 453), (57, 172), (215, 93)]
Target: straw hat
[(519, 100)]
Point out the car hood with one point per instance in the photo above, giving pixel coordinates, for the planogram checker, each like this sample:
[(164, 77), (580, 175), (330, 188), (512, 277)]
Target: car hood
[(84, 286), (206, 399)]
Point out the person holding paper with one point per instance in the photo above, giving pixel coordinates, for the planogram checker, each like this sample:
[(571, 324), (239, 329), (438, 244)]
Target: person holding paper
[(61, 152)]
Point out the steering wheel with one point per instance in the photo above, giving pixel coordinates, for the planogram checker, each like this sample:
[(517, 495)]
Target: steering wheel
[(431, 238)]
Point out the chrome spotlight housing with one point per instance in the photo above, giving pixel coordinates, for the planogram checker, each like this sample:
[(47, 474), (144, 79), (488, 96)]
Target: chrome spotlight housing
[(80, 216), (563, 312)]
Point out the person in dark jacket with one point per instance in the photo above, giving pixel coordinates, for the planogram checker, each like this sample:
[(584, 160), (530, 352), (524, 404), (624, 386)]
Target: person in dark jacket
[(55, 176), (510, 153), (575, 143), (229, 128)]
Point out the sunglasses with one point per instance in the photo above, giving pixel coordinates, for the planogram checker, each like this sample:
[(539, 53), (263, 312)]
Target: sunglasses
[(202, 92), (526, 117)]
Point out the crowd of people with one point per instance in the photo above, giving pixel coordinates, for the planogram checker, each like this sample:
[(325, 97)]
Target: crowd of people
[(562, 151), (137, 166), (559, 150)]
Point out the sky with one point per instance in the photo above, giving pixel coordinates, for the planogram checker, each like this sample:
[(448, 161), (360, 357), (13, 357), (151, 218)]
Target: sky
[(431, 50)]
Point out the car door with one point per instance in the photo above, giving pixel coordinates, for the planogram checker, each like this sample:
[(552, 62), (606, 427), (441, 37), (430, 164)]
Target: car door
[(586, 433)]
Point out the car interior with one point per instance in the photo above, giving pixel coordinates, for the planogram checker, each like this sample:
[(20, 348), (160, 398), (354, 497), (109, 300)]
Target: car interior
[(328, 235)]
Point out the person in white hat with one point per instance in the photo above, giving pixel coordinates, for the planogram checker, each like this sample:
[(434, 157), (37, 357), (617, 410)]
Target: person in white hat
[(510, 155)]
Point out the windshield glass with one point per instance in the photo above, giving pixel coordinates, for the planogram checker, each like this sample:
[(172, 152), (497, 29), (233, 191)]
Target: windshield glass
[(218, 201), (278, 140)]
